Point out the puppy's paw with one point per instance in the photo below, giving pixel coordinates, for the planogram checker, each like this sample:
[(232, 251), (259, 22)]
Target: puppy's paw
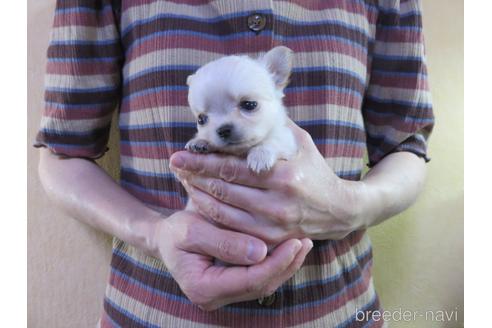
[(198, 146), (261, 159)]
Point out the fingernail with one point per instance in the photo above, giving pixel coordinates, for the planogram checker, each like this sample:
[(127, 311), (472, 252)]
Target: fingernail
[(177, 161), (297, 246), (256, 252)]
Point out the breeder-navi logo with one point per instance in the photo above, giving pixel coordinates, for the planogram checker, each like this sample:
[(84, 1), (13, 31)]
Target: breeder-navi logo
[(406, 315)]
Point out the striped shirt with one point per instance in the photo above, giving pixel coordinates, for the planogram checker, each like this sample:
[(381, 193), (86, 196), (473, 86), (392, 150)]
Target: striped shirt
[(359, 84)]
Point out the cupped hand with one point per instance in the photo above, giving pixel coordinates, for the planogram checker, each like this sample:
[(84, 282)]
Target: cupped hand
[(298, 198), (188, 244)]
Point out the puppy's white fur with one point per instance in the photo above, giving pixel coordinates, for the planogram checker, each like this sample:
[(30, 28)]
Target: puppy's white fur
[(216, 91)]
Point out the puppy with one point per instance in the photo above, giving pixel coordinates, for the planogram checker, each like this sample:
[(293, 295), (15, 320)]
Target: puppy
[(237, 102)]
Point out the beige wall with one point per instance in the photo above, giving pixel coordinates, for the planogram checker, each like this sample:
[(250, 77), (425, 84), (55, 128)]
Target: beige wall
[(418, 255)]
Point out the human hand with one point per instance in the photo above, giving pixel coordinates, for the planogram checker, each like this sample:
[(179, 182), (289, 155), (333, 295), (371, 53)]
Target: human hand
[(298, 198), (188, 244)]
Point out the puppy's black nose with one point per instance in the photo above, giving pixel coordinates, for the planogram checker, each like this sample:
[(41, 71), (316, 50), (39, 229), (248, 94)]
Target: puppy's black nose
[(225, 131)]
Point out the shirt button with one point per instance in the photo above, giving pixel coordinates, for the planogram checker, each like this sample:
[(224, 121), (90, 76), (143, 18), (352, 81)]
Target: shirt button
[(256, 22), (267, 301)]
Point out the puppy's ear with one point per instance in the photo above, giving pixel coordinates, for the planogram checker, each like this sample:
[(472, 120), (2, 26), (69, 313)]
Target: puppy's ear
[(189, 79), (278, 62)]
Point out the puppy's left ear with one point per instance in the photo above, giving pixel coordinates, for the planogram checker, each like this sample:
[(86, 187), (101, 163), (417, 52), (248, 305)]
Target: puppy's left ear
[(278, 61), (189, 79)]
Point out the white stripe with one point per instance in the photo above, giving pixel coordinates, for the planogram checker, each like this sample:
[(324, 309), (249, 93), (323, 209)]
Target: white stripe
[(83, 33), (192, 57), (149, 314), (399, 49), (80, 81)]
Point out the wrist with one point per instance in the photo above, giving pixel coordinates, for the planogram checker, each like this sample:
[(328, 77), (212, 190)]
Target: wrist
[(147, 233)]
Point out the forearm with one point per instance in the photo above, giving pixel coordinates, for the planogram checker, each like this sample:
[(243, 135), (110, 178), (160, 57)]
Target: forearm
[(87, 193), (390, 187)]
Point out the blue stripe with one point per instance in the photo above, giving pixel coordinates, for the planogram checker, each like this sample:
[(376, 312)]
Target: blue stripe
[(399, 74), (397, 58), (72, 146), (331, 123), (72, 133), (77, 106), (155, 90), (152, 191), (83, 60), (400, 27), (88, 90), (426, 106), (166, 68), (239, 35), (148, 174), (129, 314), (348, 173), (84, 42), (83, 10)]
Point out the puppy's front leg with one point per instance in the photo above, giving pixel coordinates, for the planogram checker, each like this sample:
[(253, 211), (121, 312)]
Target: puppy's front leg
[(262, 158)]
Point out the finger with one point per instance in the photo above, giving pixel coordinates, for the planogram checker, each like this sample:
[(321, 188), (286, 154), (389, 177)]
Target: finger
[(231, 247), (282, 277), (227, 168), (245, 283), (244, 197), (235, 218)]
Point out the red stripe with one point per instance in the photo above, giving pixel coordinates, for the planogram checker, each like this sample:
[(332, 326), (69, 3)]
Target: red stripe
[(167, 98), (406, 82), (221, 317), (76, 114)]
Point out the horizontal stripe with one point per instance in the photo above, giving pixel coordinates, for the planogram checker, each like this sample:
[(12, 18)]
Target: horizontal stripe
[(83, 34), (196, 57), (80, 82)]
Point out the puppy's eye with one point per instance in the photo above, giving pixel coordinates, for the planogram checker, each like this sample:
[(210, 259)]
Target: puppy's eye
[(202, 119), (248, 105)]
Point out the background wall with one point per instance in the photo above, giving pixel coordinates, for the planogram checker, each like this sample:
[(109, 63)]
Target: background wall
[(418, 255)]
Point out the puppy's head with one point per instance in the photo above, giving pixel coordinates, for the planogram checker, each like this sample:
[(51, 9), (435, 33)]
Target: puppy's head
[(237, 100)]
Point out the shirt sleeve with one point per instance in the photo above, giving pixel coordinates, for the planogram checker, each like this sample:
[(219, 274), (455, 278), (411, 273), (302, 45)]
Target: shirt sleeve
[(397, 107), (82, 82)]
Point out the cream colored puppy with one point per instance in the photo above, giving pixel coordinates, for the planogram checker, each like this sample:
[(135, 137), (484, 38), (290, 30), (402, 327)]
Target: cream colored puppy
[(237, 101)]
